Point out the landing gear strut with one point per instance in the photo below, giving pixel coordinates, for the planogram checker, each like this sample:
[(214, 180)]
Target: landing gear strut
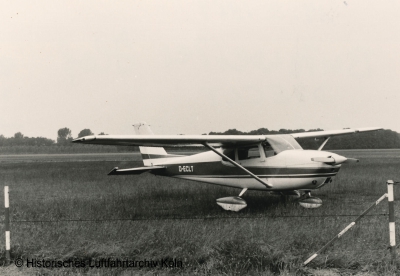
[(307, 194)]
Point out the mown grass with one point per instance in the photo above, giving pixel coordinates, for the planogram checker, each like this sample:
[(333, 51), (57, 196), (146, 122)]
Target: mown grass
[(62, 210)]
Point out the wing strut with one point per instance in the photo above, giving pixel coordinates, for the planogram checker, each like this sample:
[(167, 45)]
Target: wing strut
[(243, 191), (324, 143), (237, 165)]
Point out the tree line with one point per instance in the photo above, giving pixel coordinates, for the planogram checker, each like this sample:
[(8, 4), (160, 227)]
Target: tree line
[(64, 138), (23, 144), (383, 139), (19, 143)]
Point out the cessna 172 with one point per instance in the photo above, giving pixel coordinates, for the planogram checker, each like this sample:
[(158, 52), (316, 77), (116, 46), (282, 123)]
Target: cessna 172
[(275, 163)]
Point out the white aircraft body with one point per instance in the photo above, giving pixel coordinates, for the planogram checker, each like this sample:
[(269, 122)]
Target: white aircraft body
[(274, 163)]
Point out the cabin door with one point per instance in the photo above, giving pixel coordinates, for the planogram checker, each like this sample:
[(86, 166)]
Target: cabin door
[(250, 156)]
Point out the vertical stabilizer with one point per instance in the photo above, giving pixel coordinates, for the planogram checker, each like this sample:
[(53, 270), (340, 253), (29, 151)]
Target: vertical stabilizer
[(149, 153), (143, 129)]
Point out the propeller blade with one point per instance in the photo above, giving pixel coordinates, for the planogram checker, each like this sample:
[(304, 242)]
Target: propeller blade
[(339, 159), (328, 160), (335, 159), (351, 160)]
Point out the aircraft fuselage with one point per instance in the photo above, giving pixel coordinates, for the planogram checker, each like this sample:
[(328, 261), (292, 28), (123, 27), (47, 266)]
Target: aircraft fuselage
[(288, 170)]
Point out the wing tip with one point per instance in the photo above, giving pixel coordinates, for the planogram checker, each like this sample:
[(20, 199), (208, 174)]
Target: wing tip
[(84, 139)]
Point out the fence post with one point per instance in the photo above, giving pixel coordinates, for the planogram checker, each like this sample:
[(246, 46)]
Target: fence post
[(392, 233), (7, 223)]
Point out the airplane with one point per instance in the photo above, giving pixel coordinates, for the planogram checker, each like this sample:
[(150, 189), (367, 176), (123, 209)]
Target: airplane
[(274, 163)]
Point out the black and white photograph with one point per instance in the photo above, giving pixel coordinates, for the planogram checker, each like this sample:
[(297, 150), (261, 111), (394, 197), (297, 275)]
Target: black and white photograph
[(199, 137)]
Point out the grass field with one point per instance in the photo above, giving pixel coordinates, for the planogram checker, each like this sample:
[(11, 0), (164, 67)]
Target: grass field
[(71, 209)]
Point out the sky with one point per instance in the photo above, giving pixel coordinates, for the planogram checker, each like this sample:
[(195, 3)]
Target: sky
[(191, 67)]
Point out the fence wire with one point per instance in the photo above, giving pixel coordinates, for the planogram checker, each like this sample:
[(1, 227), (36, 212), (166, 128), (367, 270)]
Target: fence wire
[(190, 218)]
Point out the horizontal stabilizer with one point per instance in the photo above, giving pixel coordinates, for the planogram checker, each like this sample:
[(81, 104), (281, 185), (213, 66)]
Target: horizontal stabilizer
[(140, 170)]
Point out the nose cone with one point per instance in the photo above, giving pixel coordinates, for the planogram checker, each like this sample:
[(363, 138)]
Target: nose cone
[(339, 159)]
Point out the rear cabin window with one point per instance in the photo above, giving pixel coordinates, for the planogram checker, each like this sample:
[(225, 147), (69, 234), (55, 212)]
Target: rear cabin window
[(245, 153)]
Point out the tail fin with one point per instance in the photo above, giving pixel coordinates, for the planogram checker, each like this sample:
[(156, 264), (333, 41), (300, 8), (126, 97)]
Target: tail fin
[(149, 154), (142, 129)]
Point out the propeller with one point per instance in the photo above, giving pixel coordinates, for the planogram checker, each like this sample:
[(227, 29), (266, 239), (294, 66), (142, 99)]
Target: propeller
[(352, 160), (334, 159)]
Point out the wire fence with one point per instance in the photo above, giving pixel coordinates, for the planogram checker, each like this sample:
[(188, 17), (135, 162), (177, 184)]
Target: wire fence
[(194, 218)]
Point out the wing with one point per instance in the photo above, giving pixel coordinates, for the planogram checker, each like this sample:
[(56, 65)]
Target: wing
[(330, 133), (194, 140), (171, 140)]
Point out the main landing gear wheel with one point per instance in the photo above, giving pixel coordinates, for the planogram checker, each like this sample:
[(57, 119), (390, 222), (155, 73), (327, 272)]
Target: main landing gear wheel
[(233, 203), (309, 202)]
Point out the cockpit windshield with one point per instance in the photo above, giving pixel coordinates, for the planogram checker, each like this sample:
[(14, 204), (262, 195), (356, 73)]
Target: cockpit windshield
[(283, 142)]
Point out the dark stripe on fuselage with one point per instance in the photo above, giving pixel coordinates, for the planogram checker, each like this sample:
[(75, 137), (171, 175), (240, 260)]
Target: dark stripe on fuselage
[(157, 156), (217, 169), (263, 176)]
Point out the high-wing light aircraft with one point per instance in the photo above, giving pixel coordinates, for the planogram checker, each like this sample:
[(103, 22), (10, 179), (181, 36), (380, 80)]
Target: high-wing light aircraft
[(274, 163)]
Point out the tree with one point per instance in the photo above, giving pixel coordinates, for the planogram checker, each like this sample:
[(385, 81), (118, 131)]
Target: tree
[(85, 132), (64, 136), (18, 135), (18, 139)]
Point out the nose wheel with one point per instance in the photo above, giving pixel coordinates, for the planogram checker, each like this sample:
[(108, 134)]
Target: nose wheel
[(309, 202)]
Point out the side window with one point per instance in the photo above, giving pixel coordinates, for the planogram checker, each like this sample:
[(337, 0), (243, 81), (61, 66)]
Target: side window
[(245, 153), (230, 153), (269, 151)]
